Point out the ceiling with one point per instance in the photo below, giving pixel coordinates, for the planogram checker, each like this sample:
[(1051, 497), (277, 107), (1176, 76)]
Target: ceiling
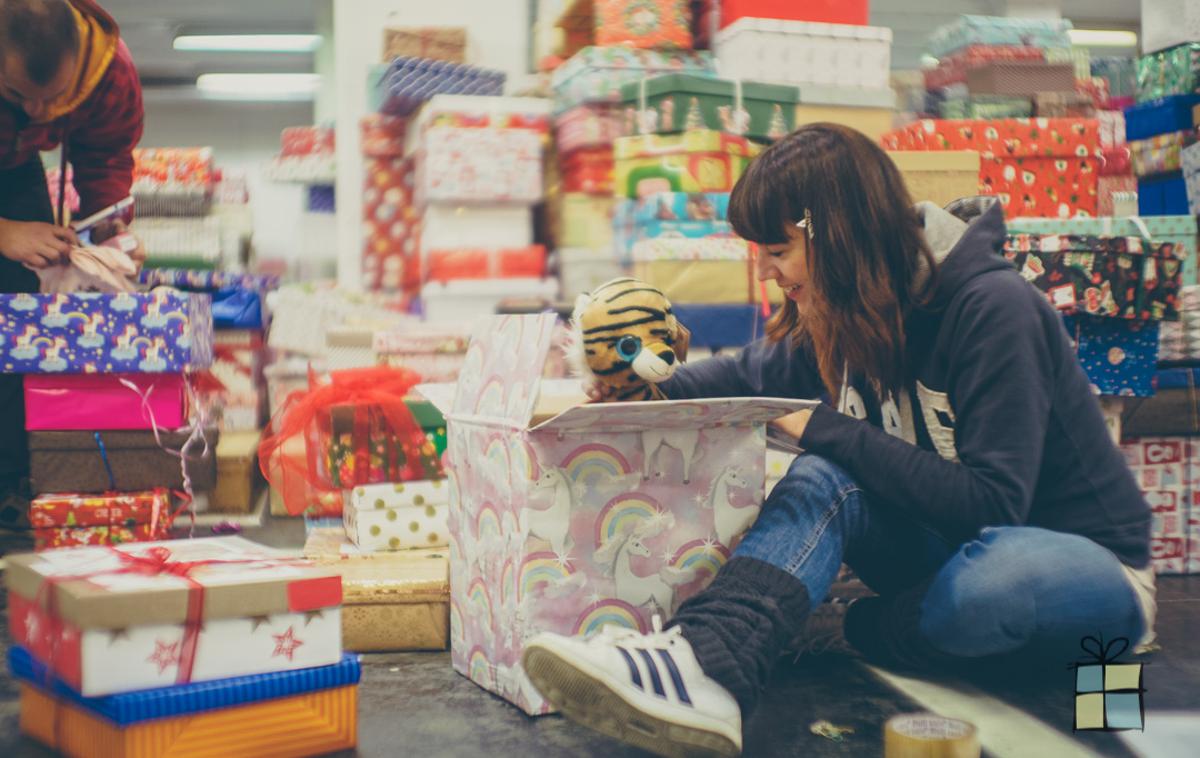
[(149, 26)]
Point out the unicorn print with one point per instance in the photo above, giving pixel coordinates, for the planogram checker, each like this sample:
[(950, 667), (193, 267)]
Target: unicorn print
[(551, 524), (90, 336), (54, 317), (154, 317), (24, 349), (125, 350), (52, 360), (657, 589), (728, 520), (153, 360), (683, 440)]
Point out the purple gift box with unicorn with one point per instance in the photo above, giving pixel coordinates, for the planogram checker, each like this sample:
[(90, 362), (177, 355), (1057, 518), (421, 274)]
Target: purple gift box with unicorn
[(156, 332), (566, 517)]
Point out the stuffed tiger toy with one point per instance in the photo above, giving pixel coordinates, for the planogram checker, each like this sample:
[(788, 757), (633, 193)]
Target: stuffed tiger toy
[(627, 339)]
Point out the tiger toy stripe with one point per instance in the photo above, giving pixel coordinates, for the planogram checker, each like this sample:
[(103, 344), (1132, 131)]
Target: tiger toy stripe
[(627, 338)]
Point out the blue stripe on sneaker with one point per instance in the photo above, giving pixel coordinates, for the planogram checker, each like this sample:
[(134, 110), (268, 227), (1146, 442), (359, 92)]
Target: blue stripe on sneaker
[(633, 669), (655, 679), (676, 678)]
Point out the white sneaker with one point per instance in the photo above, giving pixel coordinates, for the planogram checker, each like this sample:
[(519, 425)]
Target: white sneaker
[(644, 689)]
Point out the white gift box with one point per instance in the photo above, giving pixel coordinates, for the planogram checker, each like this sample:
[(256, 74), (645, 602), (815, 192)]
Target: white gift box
[(1167, 23), (400, 516), (450, 226), (803, 53), (473, 298)]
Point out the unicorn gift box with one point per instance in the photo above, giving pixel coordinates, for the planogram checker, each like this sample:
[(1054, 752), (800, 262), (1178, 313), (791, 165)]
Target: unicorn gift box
[(565, 517)]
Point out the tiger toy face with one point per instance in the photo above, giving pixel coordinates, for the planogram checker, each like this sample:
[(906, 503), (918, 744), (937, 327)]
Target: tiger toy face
[(627, 338)]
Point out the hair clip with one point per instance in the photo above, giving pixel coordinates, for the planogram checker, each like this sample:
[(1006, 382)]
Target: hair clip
[(806, 223)]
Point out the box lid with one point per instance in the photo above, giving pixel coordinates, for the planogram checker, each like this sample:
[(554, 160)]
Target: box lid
[(911, 161), (700, 85), (240, 579), (1173, 228), (849, 97), (670, 414), (397, 576), (807, 28), (632, 60), (695, 141)]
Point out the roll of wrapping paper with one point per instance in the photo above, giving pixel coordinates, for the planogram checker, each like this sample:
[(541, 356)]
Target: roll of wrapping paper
[(925, 735)]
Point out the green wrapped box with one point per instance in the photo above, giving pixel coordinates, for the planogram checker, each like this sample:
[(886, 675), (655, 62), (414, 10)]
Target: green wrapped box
[(1174, 71), (986, 107), (678, 102), (1180, 230), (431, 421)]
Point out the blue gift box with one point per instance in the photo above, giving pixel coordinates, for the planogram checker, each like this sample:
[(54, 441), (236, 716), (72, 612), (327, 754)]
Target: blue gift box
[(717, 327), (164, 331), (134, 707), (1118, 356), (237, 299), (670, 214), (409, 82), (1162, 116), (1165, 195)]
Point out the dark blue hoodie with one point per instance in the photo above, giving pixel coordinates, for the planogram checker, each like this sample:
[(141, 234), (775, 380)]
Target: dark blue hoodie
[(999, 426)]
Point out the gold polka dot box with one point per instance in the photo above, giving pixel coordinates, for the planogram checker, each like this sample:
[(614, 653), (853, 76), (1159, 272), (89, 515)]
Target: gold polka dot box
[(400, 516)]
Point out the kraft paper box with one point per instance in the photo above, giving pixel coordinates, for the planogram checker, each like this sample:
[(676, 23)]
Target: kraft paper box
[(586, 221), (76, 461), (465, 165), (678, 102), (565, 517), (708, 271), (392, 601), (238, 476), (157, 332), (123, 629), (434, 43), (401, 516), (595, 74), (940, 177), (696, 161), (294, 713)]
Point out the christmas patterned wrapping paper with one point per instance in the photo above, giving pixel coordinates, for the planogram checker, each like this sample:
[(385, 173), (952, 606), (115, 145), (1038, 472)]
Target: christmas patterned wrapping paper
[(307, 140), (318, 168), (648, 24), (49, 538), (588, 171), (484, 263), (1116, 161), (1035, 167), (1118, 277), (164, 174), (969, 30), (1180, 340), (1175, 71), (391, 226), (1107, 188), (469, 165), (398, 600), (827, 11), (1168, 472), (157, 332), (1189, 161), (360, 446), (802, 53), (1112, 128), (1117, 356), (985, 107), (695, 161), (437, 355), (383, 136), (1161, 154), (600, 514), (952, 69), (589, 125), (120, 509), (234, 388), (595, 74), (680, 102), (129, 617), (399, 516)]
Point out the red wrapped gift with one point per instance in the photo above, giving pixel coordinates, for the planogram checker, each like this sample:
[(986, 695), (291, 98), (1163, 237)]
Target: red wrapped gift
[(589, 170), (854, 12), (649, 24), (118, 509), (1116, 161), (1107, 187), (383, 136), (953, 68), (1036, 167), (392, 226), (448, 265), (50, 538), (307, 140)]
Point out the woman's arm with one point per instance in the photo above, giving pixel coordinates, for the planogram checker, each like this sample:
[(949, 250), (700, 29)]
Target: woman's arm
[(761, 369)]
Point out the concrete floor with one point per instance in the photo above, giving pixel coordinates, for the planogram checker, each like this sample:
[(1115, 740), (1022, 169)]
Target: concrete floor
[(414, 703)]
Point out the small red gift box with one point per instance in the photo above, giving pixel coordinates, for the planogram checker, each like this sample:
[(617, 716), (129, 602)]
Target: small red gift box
[(448, 265), (62, 520)]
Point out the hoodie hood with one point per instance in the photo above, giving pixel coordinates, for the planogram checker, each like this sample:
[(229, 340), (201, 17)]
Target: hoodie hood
[(99, 38), (966, 238)]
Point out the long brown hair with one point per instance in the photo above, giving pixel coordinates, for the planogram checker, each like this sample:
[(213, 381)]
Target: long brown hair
[(869, 263)]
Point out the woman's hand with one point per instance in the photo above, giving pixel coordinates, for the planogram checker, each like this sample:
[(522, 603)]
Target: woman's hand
[(793, 424), (598, 392), (35, 244), (133, 246)]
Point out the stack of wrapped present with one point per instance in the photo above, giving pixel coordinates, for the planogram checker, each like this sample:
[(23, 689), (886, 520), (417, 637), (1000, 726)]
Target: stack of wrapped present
[(307, 156), (1168, 472), (107, 408), (392, 224), (1179, 341), (111, 649)]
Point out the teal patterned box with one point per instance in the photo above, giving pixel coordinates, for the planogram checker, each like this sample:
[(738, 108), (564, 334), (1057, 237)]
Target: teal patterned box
[(1178, 229)]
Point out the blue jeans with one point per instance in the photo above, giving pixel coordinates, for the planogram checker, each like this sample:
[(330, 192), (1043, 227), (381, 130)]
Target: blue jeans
[(1011, 588)]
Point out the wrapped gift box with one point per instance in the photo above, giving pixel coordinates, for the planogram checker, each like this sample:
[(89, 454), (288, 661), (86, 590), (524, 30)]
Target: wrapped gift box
[(588, 171), (1116, 161), (1112, 128), (475, 112), (800, 53), (391, 600), (84, 402), (1118, 277), (159, 332), (585, 221), (995, 30), (238, 476), (181, 242), (294, 713), (62, 520), (430, 419), (1161, 116), (940, 177), (233, 388), (677, 102), (1178, 230), (409, 82), (695, 161), (173, 181), (358, 445), (120, 620), (653, 24), (382, 136), (1166, 23), (595, 74), (432, 43), (484, 263), (1173, 410), (1167, 469), (1161, 154), (471, 298), (81, 461), (307, 140), (1035, 167), (718, 327), (1020, 78), (466, 165), (56, 537), (827, 11), (1066, 104), (400, 516), (986, 107), (1117, 356), (706, 271), (872, 120), (1163, 195), (435, 354), (590, 125), (1189, 161), (655, 217), (392, 225), (238, 300), (548, 498), (1175, 71), (446, 226), (952, 69), (1107, 189)]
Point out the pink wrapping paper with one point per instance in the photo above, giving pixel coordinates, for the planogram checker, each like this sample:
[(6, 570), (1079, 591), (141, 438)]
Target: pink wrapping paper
[(86, 402)]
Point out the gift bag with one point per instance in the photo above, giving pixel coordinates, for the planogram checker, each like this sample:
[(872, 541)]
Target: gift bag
[(356, 430)]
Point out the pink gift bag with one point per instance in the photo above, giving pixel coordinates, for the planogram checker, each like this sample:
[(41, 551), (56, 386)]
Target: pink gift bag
[(87, 402)]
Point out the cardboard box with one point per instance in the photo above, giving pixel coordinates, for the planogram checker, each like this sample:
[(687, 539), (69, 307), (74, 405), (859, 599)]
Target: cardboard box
[(952, 68), (871, 121), (446, 265), (939, 177), (677, 102), (705, 271), (392, 601), (84, 402), (585, 221), (238, 476), (801, 53), (564, 517), (119, 629), (401, 516), (696, 161), (159, 332), (81, 461), (435, 43)]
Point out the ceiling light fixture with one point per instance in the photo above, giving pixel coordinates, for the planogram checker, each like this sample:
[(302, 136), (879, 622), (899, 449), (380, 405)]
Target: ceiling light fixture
[(258, 86), (248, 43), (1102, 38)]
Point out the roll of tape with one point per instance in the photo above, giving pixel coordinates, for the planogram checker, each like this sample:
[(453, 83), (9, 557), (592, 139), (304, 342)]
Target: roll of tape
[(925, 735)]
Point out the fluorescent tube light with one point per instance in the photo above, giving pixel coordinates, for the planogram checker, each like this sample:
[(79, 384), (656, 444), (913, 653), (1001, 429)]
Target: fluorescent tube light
[(258, 86), (249, 43), (1102, 38)]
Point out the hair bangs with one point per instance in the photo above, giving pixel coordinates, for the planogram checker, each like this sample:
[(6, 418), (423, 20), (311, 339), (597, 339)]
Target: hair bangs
[(760, 207)]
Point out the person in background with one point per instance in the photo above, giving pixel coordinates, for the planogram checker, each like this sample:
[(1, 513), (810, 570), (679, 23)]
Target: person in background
[(960, 464), (66, 80)]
